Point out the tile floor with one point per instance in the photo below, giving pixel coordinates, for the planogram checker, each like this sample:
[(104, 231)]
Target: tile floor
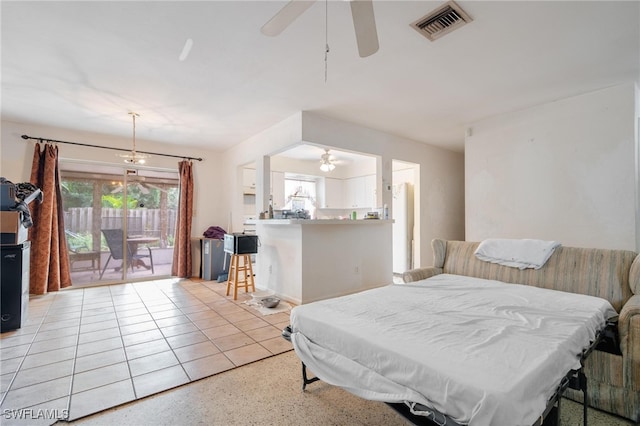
[(85, 350)]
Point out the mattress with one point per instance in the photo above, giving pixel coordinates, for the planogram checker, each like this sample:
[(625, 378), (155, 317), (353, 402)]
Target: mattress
[(483, 352)]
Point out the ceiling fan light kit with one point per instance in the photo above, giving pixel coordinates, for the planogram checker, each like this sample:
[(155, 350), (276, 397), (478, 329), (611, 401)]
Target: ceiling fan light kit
[(134, 157), (326, 163)]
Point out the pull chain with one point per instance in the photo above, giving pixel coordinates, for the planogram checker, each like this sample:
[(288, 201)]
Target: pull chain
[(133, 153), (326, 38)]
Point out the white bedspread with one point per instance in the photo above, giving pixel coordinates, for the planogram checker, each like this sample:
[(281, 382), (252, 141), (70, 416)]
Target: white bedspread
[(483, 352)]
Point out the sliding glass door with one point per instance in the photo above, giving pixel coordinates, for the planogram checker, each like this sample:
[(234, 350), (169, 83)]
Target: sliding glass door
[(119, 223)]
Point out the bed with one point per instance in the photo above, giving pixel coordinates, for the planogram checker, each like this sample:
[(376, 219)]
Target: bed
[(452, 348)]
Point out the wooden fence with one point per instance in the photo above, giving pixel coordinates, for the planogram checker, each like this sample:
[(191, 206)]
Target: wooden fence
[(147, 222)]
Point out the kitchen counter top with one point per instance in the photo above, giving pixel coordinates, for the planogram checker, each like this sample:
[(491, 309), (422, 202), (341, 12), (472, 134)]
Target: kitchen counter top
[(358, 222)]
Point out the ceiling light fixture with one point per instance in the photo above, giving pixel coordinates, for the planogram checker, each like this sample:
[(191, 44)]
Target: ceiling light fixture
[(134, 157), (326, 165)]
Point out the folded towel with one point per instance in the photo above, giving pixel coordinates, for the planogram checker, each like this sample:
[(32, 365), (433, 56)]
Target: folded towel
[(520, 254)]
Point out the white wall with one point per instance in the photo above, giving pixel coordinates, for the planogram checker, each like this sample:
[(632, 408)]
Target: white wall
[(562, 171), (439, 184), (17, 154), (274, 139), (441, 177), (218, 179)]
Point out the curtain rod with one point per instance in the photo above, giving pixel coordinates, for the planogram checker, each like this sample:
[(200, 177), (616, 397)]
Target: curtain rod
[(25, 137)]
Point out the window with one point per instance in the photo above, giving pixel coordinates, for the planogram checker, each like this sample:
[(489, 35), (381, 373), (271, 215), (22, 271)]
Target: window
[(140, 203), (300, 195)]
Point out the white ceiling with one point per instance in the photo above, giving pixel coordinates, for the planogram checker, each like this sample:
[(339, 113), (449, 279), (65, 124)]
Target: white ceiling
[(85, 65)]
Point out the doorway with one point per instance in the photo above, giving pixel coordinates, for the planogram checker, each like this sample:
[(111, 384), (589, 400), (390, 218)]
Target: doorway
[(119, 222), (405, 215)]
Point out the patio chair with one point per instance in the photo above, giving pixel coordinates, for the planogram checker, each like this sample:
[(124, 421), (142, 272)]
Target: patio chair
[(115, 241), (79, 252)]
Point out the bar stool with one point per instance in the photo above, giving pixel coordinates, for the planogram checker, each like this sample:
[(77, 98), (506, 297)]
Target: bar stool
[(240, 274)]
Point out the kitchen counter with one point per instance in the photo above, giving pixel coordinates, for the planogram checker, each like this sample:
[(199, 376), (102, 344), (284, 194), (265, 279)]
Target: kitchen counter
[(357, 222), (304, 260)]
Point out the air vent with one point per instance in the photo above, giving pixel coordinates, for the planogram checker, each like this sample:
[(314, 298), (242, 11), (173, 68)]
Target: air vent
[(441, 21)]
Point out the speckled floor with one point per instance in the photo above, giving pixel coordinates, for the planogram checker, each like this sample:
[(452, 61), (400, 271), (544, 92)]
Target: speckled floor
[(268, 392), (123, 346)]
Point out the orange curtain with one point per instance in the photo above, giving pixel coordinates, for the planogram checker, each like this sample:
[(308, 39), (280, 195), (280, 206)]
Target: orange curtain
[(49, 269), (181, 266)]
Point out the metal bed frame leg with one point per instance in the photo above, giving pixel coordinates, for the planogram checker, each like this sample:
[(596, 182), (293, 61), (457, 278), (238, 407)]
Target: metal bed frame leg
[(305, 380), (286, 334), (579, 382), (575, 379), (585, 401)]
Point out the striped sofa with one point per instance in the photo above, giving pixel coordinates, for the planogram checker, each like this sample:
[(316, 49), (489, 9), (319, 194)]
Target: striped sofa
[(613, 379)]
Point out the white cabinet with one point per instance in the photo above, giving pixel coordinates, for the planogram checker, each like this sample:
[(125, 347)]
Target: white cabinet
[(332, 194), (360, 192), (249, 181), (277, 190), (353, 193), (371, 192)]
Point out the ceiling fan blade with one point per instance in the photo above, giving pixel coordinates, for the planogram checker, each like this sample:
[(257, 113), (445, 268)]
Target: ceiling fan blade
[(143, 189), (150, 185), (364, 23), (285, 17)]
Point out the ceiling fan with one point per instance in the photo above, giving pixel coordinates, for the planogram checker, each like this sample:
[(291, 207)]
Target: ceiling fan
[(327, 162), (364, 22), (143, 187)]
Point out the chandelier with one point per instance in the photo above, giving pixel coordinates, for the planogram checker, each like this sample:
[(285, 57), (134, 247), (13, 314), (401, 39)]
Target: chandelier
[(134, 157), (326, 164)]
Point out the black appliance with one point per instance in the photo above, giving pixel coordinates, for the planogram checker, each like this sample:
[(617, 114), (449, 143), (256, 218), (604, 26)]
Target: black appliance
[(240, 243), (14, 285)]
